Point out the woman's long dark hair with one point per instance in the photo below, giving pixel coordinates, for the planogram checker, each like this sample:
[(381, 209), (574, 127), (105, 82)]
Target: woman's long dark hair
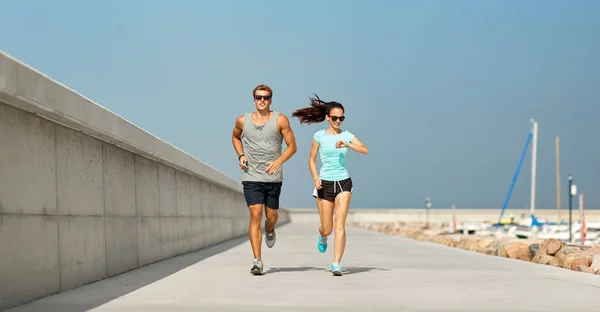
[(317, 111)]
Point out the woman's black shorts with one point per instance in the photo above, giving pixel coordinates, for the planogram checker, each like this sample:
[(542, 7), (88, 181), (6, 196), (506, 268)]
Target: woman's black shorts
[(331, 189)]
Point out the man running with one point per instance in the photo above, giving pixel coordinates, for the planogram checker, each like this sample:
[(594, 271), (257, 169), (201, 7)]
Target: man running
[(257, 139)]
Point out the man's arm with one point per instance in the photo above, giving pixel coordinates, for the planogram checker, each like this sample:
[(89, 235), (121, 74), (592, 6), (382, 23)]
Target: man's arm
[(236, 139), (288, 136)]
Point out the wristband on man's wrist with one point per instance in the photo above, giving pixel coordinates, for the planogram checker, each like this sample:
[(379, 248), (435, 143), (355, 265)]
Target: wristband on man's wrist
[(240, 157)]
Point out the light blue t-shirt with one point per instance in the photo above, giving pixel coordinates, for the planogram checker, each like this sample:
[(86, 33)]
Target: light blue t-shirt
[(333, 160)]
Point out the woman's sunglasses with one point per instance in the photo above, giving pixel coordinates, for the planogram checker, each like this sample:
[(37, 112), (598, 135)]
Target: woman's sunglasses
[(335, 118)]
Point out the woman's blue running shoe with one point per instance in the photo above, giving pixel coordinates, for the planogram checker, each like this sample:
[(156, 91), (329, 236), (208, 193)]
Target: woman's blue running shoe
[(336, 269), (322, 243)]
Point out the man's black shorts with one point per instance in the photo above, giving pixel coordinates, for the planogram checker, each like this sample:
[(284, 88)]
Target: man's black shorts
[(330, 189), (262, 193)]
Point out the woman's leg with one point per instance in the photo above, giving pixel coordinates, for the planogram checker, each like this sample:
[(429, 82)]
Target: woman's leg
[(326, 214), (342, 203)]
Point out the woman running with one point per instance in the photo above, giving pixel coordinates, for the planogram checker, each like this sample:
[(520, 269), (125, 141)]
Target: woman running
[(332, 185)]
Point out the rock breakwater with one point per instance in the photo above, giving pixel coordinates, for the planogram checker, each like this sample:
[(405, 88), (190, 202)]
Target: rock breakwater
[(546, 252)]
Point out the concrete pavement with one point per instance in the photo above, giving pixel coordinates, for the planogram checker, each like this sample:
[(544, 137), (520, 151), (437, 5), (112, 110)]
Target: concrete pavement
[(383, 273)]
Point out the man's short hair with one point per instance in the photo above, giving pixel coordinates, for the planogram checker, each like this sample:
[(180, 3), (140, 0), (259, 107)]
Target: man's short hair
[(262, 87)]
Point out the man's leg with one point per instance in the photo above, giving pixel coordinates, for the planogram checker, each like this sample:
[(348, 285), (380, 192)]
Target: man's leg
[(272, 207), (254, 232), (253, 192), (272, 218)]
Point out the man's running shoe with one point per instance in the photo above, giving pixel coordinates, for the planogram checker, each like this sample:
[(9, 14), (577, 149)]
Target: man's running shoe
[(336, 269), (257, 267), (322, 243), (270, 237)]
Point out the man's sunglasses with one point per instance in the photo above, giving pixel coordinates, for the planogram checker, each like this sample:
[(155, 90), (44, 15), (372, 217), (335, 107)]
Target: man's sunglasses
[(335, 118), (263, 97)]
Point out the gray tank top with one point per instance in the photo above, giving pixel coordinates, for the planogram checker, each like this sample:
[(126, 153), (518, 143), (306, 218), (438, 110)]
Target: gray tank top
[(261, 145)]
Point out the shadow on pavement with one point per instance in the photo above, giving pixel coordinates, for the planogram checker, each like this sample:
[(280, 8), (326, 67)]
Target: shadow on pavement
[(88, 297), (355, 270), (293, 269), (346, 270)]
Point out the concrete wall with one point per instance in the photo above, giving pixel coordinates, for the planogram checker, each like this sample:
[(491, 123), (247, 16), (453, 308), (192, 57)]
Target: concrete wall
[(86, 195)]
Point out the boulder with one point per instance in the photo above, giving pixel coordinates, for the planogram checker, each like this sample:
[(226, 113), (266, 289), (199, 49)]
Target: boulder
[(566, 261), (565, 251), (596, 263), (545, 260), (518, 250), (591, 251), (554, 262), (432, 232), (553, 245), (550, 246), (469, 243), (455, 240), (388, 229), (496, 247), (484, 243), (586, 269), (502, 252), (533, 249), (541, 259), (573, 261)]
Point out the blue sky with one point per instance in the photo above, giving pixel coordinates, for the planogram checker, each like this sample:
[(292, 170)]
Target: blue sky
[(440, 91)]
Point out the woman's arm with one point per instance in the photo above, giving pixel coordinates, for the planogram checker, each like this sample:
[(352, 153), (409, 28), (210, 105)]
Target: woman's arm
[(312, 163), (358, 146)]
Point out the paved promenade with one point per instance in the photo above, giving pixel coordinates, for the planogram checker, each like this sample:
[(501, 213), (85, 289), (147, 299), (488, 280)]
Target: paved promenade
[(383, 273)]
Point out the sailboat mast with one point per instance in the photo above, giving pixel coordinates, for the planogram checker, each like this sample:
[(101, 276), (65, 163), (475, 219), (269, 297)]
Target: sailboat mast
[(533, 166), (558, 179)]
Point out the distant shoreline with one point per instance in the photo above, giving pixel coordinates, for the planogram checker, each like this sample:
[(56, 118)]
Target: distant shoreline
[(458, 208), (447, 214)]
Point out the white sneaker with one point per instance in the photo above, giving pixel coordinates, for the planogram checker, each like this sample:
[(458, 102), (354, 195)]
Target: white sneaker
[(270, 237), (336, 269), (257, 267)]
